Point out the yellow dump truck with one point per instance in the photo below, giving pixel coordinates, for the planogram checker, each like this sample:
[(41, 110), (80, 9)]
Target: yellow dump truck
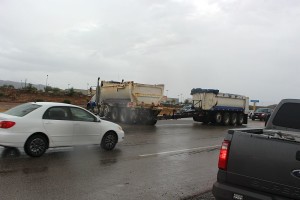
[(129, 102)]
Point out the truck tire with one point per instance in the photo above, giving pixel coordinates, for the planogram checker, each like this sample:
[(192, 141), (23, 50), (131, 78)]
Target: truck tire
[(115, 114), (106, 111), (226, 119), (123, 115), (101, 111), (151, 122), (240, 119), (233, 119), (206, 120), (132, 117), (218, 118), (148, 119), (197, 119)]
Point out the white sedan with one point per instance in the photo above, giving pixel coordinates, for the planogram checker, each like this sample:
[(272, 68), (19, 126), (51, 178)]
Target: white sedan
[(37, 126)]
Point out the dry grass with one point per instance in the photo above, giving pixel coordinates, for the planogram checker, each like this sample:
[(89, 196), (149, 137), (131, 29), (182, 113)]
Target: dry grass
[(6, 105)]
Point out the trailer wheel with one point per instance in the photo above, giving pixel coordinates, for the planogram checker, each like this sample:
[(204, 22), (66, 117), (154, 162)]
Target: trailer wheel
[(218, 118), (123, 115), (233, 119), (205, 121), (151, 122), (101, 111), (115, 114), (148, 119), (197, 119), (240, 119), (226, 119), (132, 117), (106, 111)]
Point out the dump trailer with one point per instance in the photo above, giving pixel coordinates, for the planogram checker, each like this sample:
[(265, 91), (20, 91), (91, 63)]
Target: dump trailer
[(130, 102), (211, 106)]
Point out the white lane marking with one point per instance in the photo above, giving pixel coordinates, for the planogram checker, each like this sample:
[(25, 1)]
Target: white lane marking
[(182, 150), (161, 125)]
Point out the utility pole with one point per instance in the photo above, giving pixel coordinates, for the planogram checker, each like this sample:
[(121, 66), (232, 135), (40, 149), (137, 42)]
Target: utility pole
[(98, 93), (46, 83), (87, 89)]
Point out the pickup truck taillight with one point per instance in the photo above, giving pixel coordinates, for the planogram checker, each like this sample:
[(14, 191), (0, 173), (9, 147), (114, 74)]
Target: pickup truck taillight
[(7, 124), (223, 157)]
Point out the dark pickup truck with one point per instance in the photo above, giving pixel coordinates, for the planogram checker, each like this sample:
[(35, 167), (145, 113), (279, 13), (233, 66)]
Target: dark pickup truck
[(262, 163)]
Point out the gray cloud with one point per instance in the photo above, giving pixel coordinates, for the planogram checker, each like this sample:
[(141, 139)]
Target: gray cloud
[(248, 47)]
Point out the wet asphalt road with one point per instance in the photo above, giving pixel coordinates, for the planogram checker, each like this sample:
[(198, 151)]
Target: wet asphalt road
[(175, 159)]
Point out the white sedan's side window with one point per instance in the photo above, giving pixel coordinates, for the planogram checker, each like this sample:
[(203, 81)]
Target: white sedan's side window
[(57, 113), (81, 115)]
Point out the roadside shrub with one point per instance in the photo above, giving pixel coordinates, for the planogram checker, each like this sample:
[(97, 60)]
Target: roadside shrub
[(71, 91)]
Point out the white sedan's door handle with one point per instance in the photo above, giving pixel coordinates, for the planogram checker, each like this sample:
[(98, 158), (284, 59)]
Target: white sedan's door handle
[(47, 122)]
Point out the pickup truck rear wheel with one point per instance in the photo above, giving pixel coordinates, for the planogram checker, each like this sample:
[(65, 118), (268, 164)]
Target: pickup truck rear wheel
[(226, 119), (233, 119), (218, 118)]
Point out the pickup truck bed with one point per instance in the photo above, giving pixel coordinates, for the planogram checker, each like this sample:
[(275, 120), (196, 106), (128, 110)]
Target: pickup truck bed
[(262, 163)]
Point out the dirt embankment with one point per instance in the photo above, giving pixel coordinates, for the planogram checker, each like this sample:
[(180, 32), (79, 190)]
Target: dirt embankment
[(12, 97)]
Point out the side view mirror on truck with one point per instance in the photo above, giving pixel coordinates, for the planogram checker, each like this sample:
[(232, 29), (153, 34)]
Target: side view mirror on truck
[(267, 118)]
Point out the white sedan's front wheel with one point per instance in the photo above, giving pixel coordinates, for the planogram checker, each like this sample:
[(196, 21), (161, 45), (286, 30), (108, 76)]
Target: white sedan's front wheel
[(109, 141)]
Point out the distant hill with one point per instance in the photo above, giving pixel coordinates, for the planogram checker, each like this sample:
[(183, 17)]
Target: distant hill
[(18, 85)]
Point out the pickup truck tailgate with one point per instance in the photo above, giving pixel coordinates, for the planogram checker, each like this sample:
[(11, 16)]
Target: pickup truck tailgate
[(266, 164)]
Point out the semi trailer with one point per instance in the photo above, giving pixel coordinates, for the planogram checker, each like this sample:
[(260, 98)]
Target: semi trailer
[(129, 102), (211, 106)]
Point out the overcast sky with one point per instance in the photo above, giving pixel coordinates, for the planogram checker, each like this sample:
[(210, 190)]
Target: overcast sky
[(248, 47)]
